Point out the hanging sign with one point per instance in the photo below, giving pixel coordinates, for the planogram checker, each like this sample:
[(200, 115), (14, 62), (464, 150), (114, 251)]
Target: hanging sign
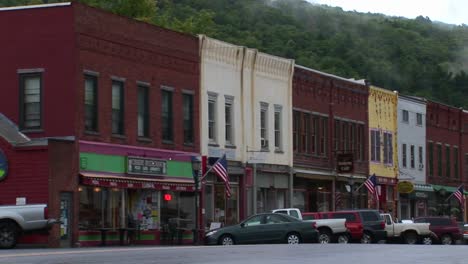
[(405, 187), (145, 166)]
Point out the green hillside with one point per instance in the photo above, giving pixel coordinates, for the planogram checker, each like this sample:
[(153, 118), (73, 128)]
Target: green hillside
[(414, 56)]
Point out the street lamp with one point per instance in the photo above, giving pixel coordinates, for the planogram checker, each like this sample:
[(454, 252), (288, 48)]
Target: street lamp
[(197, 174)]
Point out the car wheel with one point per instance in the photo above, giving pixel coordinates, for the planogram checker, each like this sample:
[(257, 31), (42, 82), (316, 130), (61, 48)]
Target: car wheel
[(226, 240), (324, 237), (343, 239), (293, 238), (446, 239), (8, 234), (427, 240), (366, 238), (411, 238)]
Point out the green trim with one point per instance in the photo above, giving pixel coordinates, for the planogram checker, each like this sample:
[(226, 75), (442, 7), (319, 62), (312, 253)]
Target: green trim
[(89, 238), (118, 164), (146, 237), (448, 189)]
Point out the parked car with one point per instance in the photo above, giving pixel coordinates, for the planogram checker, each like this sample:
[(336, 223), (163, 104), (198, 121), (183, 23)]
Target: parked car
[(465, 232), (330, 230), (264, 228), (373, 225), (446, 229), (410, 233), (353, 222), (19, 219)]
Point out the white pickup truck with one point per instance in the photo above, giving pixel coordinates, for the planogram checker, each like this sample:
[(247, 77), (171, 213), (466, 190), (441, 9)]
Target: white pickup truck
[(18, 219), (410, 233), (329, 229)]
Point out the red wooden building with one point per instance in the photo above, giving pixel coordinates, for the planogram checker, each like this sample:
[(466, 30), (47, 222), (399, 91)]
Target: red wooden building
[(113, 103), (329, 119)]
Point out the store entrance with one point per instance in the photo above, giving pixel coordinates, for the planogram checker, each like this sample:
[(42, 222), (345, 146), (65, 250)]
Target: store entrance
[(65, 219)]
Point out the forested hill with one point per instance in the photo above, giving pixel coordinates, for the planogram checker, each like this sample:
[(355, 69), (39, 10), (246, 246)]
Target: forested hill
[(414, 56)]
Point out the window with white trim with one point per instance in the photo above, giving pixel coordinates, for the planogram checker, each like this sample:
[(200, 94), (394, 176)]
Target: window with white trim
[(212, 135), (30, 100), (264, 125), (278, 125), (375, 145), (228, 118)]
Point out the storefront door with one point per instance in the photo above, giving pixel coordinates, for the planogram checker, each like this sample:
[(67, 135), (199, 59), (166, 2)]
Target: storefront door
[(66, 218)]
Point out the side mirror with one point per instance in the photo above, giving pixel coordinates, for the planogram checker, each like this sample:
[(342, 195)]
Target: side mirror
[(242, 225)]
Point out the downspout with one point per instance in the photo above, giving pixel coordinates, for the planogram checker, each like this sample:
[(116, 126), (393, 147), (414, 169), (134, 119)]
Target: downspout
[(290, 129), (252, 136)]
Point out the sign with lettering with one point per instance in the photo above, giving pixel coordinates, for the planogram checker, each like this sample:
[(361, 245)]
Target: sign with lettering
[(3, 166), (405, 187), (145, 166), (345, 163)]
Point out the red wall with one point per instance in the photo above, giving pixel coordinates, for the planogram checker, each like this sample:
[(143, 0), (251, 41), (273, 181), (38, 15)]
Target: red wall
[(444, 124), (322, 93), (28, 175), (116, 46), (39, 38)]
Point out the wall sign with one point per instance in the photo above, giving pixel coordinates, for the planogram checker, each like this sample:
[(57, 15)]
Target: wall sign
[(345, 163), (3, 166), (145, 166), (405, 187)]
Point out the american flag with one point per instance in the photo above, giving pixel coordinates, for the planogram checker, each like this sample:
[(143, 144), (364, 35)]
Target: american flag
[(371, 185), (459, 194), (220, 168)]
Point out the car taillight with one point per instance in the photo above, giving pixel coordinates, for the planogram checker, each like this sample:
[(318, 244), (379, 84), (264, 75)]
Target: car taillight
[(314, 225), (46, 213), (382, 225)]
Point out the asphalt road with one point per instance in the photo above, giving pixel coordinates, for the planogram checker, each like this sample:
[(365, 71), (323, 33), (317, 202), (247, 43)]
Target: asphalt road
[(251, 254)]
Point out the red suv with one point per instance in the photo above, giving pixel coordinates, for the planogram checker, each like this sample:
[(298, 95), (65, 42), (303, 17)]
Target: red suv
[(365, 226), (447, 229)]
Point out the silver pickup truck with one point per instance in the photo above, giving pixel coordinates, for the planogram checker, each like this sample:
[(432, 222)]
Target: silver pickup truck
[(18, 219), (329, 229)]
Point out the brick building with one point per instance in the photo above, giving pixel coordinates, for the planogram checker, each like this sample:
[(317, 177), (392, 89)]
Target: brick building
[(124, 94), (445, 156), (329, 119)]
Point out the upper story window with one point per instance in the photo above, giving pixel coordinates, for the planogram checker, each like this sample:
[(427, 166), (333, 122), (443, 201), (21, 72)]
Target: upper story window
[(403, 155), (337, 135), (91, 103), (212, 133), (405, 116), (305, 134), (228, 118), (30, 100), (430, 151), (412, 157), (143, 111), (419, 120), (455, 162), (439, 159), (447, 162), (264, 125), (296, 128), (420, 158), (117, 107), (278, 125), (188, 118), (388, 148), (166, 114), (360, 142), (375, 145)]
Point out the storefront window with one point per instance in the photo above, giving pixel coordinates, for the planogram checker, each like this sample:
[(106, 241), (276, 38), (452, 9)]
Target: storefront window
[(232, 206), (299, 200), (144, 208), (178, 208), (208, 216), (100, 207)]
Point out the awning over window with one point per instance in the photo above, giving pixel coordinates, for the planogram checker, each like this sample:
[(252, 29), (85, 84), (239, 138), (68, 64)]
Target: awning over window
[(446, 188), (114, 181)]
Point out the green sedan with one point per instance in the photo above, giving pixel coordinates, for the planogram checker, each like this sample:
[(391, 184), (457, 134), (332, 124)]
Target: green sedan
[(264, 228)]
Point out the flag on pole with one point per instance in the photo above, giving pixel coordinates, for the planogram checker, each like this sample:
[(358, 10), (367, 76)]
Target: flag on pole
[(220, 168), (459, 194), (371, 185)]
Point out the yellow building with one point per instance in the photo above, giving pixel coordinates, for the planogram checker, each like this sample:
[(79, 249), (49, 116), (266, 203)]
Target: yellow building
[(383, 153)]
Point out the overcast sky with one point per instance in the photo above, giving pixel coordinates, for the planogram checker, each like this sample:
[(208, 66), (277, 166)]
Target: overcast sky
[(447, 11)]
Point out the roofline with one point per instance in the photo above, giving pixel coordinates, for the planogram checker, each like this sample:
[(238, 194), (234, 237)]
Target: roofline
[(34, 6), (330, 75), (414, 99)]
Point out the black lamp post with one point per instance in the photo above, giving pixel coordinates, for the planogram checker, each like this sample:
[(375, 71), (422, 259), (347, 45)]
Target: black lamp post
[(197, 174)]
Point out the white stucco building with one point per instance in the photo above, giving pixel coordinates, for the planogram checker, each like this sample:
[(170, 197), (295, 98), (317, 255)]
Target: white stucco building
[(412, 155), (246, 113)]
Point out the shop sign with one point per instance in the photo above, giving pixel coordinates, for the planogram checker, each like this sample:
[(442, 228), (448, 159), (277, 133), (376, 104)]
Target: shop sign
[(421, 195), (405, 187), (145, 166), (345, 163), (3, 166)]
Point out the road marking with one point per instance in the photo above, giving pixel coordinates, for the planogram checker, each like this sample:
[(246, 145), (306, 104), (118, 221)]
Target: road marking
[(79, 251)]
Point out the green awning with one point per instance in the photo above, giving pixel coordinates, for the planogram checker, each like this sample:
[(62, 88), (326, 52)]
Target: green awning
[(448, 189)]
